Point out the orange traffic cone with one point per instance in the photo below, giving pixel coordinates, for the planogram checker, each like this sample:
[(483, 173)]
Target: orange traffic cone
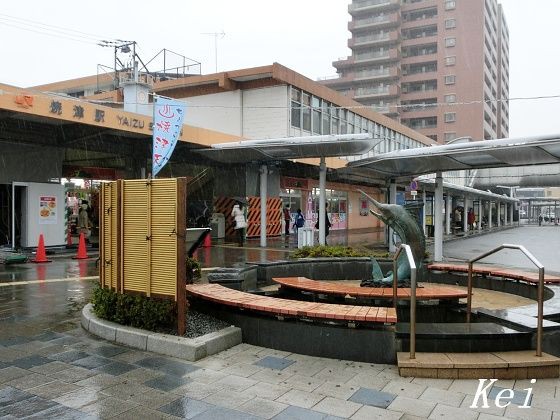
[(41, 254), (82, 253), (207, 242)]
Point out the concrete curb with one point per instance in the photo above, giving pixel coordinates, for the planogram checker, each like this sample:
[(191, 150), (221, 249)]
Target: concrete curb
[(191, 349)]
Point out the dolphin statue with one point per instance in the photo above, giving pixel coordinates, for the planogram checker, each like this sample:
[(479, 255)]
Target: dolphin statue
[(406, 226)]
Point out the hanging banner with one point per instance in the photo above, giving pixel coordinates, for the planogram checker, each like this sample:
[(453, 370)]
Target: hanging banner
[(168, 122)]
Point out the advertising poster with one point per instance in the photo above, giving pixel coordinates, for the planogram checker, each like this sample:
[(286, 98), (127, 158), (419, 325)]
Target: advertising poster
[(47, 210)]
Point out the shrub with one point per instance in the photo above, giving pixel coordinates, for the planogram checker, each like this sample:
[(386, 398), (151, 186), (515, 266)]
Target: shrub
[(194, 266), (134, 310), (335, 251)]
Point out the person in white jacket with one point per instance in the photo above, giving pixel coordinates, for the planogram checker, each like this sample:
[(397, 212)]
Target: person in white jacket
[(240, 222)]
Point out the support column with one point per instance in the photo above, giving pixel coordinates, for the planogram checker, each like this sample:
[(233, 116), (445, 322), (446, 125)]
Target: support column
[(511, 207), (424, 212), (448, 210), (480, 215), (498, 211), (438, 218), (392, 200), (322, 199), (506, 214), (465, 215), (490, 215), (263, 178)]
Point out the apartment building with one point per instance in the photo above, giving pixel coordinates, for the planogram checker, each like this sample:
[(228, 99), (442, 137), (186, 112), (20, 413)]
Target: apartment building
[(440, 67)]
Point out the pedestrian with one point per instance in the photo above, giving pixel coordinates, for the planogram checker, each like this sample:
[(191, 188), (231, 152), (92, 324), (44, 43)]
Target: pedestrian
[(299, 220), (471, 218), (238, 215), (327, 222), (84, 224), (458, 217), (540, 220), (287, 219)]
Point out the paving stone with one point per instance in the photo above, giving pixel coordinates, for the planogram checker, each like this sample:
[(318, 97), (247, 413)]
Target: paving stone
[(79, 398), (141, 413), (166, 383), (464, 386), (227, 398), (108, 407), (300, 398), (337, 407), (26, 407), (298, 413), (491, 410), (436, 395), (518, 396), (533, 413), (186, 407), (271, 376), (168, 366), (412, 406), (262, 408), (115, 368), (242, 369), (266, 390), (222, 413), (73, 374), (47, 336), (205, 376), (61, 412), (65, 340), (30, 381), (12, 372), (235, 383), (53, 389), (91, 362), (13, 341), (126, 391), (100, 381), (108, 351), (547, 403), (366, 380), (407, 389), (335, 374), (10, 395), (484, 416), (337, 390), (50, 367), (442, 411), (303, 383), (272, 362), (130, 356), (433, 383), (69, 356), (30, 361), (368, 413), (141, 375), (197, 390), (372, 397)]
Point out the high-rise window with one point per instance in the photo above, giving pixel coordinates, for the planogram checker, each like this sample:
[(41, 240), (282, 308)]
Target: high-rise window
[(451, 98), (450, 60), (450, 42), (449, 117), (450, 5), (450, 79), (450, 23)]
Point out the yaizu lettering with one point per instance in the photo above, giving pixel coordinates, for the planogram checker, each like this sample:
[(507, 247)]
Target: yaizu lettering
[(505, 395)]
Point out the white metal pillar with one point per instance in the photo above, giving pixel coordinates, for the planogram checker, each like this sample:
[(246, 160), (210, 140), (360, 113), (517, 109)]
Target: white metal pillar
[(465, 214), (322, 200), (498, 211), (438, 219), (263, 178), (424, 212), (511, 206), (448, 210), (392, 200), (506, 214), (490, 215), (480, 215)]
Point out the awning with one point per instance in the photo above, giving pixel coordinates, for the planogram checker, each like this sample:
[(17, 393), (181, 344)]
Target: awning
[(510, 152)]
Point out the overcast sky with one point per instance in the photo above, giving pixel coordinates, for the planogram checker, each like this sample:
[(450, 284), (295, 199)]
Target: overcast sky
[(304, 35)]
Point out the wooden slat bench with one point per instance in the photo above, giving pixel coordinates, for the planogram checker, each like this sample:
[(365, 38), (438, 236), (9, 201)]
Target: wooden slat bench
[(428, 292), (291, 308), (508, 273)]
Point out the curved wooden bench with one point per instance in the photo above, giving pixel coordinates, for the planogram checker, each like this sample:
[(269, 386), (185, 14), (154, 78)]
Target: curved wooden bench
[(428, 292), (291, 308), (508, 273)]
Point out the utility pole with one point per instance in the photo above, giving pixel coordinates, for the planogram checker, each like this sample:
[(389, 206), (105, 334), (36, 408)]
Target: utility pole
[(216, 35)]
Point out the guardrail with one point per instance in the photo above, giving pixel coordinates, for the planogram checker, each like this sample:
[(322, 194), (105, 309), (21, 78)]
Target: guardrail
[(412, 293), (540, 292)]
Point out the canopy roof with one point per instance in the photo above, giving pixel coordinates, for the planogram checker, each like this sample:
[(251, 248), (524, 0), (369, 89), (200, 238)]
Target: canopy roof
[(510, 152), (266, 150)]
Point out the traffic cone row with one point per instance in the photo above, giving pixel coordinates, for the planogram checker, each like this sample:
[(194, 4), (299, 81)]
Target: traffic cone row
[(41, 254), (82, 252)]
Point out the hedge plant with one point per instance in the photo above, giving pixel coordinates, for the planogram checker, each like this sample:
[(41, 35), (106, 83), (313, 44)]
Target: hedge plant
[(335, 251)]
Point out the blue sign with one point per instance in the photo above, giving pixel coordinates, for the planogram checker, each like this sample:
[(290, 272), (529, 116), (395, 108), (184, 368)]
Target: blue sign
[(168, 122)]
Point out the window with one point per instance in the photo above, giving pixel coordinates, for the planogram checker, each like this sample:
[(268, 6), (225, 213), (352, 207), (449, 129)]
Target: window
[(450, 5), (450, 79), (450, 23), (433, 137), (450, 60), (450, 135), (449, 117), (450, 42), (451, 98)]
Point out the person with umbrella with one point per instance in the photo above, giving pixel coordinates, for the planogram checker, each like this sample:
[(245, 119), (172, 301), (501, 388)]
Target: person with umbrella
[(238, 215)]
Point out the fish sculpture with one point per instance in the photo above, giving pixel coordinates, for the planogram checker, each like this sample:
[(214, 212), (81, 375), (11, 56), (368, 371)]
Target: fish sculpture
[(406, 226)]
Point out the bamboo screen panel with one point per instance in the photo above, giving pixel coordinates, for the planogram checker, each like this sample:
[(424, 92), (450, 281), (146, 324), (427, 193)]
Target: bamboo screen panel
[(108, 241)]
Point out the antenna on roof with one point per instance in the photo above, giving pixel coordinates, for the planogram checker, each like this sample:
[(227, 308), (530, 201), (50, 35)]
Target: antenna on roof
[(216, 35)]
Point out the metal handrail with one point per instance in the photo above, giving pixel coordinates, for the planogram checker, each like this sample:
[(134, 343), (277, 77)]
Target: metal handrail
[(540, 292), (412, 293)]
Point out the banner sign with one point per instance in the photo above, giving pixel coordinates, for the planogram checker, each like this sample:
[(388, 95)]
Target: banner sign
[(168, 122), (47, 210)]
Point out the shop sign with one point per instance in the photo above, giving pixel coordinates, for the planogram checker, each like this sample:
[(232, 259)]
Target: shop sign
[(294, 183), (47, 210)]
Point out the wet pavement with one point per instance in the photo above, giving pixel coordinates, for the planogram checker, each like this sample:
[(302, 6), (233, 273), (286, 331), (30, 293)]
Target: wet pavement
[(51, 368)]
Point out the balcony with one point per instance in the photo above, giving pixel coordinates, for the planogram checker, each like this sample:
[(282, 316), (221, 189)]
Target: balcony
[(378, 56), (374, 39), (381, 21), (386, 73), (371, 5), (376, 92)]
